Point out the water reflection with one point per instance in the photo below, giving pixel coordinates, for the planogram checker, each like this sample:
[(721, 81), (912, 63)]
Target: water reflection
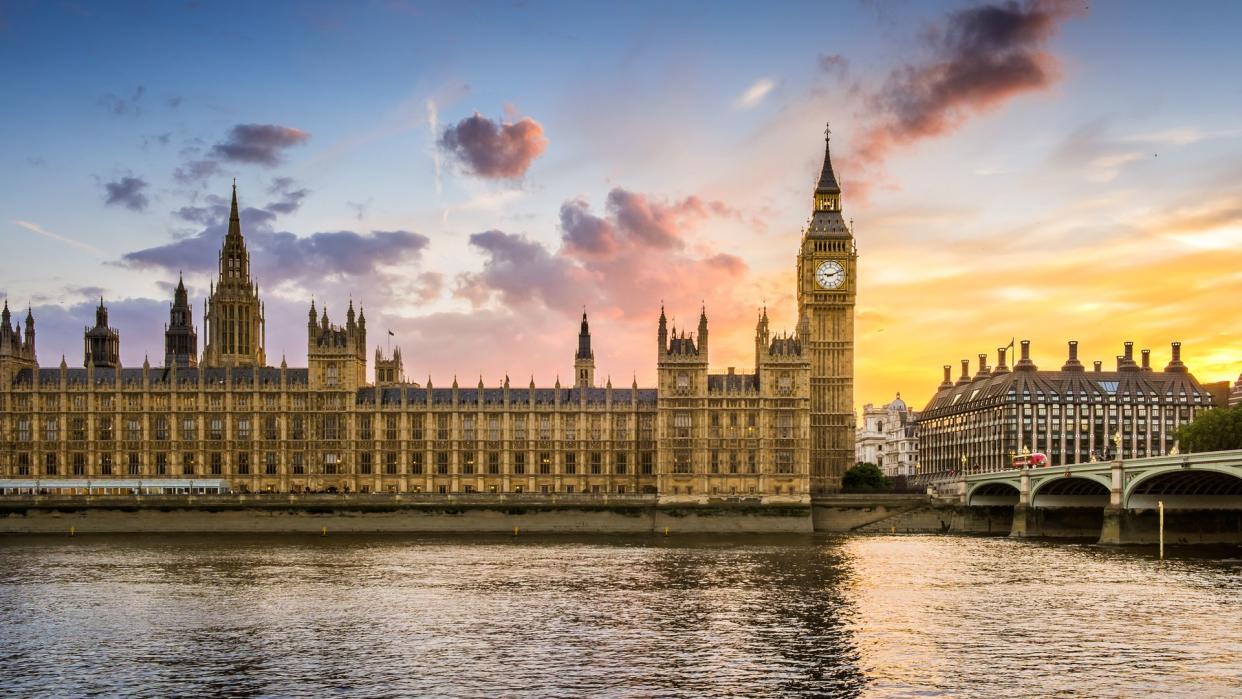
[(641, 616)]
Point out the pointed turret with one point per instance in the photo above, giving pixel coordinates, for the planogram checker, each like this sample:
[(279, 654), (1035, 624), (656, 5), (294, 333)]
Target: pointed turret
[(702, 338), (29, 347), (584, 358), (102, 344), (180, 337), (663, 332)]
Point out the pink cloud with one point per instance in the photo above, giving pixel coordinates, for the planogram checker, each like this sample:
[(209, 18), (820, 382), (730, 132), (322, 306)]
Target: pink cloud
[(494, 150), (980, 58)]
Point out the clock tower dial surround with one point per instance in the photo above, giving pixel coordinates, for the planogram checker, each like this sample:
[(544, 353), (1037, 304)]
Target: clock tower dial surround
[(827, 284)]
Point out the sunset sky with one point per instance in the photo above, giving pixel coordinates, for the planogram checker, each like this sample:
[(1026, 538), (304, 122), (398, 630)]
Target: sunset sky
[(475, 174)]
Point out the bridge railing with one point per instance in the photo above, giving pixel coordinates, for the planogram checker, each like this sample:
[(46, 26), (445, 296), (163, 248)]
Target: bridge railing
[(1187, 460)]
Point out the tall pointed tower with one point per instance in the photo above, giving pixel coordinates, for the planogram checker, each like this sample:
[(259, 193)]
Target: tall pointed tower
[(584, 358), (234, 315), (827, 284), (180, 338)]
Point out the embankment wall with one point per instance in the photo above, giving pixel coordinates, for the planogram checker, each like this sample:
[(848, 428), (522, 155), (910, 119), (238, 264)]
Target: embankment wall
[(150, 514)]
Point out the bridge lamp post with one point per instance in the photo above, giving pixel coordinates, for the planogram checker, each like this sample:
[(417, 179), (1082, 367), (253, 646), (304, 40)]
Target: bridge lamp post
[(965, 469)]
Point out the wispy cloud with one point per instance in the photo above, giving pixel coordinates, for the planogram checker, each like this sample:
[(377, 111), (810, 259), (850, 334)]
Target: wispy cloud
[(755, 94), (433, 123), (40, 230)]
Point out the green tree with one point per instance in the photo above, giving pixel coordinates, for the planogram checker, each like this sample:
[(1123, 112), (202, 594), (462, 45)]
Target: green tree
[(865, 477), (1219, 429)]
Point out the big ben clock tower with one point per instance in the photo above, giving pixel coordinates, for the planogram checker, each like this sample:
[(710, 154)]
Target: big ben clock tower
[(827, 284)]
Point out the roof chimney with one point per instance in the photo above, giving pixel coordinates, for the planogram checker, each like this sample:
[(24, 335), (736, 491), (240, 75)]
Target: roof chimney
[(1126, 363), (948, 378), (1072, 364), (1146, 360), (1099, 366), (1175, 364), (1025, 363), (983, 372), (1001, 368), (965, 377)]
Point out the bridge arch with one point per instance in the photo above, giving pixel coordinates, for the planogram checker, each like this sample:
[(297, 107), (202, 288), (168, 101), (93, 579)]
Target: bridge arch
[(1070, 491), (993, 493), (1181, 488)]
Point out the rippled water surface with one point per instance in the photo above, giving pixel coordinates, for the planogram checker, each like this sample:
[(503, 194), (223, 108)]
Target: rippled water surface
[(542, 616)]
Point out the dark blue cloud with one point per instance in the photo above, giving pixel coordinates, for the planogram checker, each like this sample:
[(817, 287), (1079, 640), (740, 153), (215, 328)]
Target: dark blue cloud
[(126, 192)]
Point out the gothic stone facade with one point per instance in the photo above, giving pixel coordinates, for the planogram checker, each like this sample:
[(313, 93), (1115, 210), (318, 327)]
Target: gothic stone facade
[(229, 416), (981, 422)]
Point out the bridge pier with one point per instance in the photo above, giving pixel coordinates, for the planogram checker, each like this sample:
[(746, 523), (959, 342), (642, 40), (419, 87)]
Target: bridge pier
[(1055, 522), (1142, 526), (1117, 527)]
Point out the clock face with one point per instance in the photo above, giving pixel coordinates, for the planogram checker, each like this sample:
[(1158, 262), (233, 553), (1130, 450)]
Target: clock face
[(830, 275)]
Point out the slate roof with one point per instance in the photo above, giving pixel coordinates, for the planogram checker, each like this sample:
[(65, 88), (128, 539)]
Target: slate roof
[(1065, 386), (160, 375), (389, 395)]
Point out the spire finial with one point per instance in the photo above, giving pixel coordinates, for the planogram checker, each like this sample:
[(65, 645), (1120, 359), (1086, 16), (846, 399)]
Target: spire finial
[(827, 178), (827, 131), (234, 218)]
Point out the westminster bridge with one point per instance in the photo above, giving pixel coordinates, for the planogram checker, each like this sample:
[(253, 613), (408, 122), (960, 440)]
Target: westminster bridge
[(1119, 500)]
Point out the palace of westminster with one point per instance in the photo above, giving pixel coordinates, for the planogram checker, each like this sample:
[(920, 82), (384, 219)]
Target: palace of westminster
[(778, 433)]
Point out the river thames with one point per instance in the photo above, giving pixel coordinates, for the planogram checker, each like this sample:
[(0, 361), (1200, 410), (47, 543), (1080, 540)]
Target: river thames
[(380, 616)]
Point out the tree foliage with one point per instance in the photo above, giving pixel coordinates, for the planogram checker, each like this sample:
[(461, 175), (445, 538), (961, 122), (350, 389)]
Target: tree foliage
[(1214, 430), (865, 477)]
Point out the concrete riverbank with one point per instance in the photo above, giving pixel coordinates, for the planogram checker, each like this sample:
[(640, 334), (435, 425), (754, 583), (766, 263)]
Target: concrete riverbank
[(906, 514), (857, 514), (394, 513)]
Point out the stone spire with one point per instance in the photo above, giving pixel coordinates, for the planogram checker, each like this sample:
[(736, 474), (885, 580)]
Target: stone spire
[(702, 338), (30, 333), (180, 337), (584, 339), (234, 218), (584, 358), (233, 320), (663, 332), (826, 221), (827, 178)]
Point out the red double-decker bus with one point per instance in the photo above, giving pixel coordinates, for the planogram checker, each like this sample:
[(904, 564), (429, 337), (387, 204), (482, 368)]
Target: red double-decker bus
[(1034, 460)]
